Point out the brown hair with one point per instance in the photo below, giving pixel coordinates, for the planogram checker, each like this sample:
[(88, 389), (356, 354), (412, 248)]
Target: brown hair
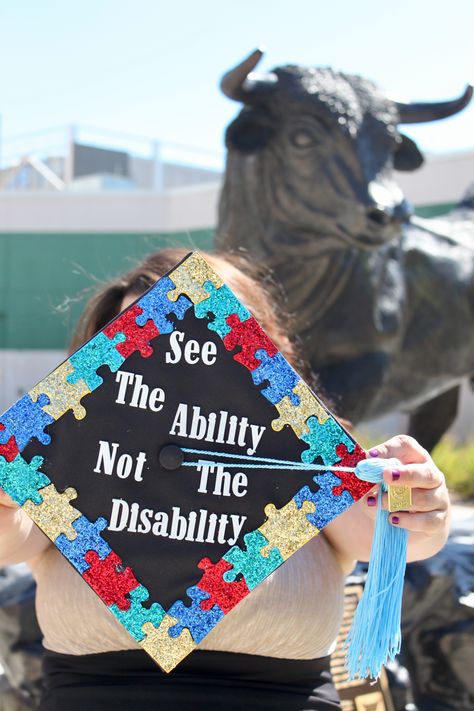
[(251, 284)]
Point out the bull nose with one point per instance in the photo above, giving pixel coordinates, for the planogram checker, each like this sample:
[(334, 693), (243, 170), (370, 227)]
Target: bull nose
[(386, 203), (380, 215), (384, 216)]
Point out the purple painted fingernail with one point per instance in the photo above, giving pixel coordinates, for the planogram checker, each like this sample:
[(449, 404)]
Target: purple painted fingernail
[(374, 452), (371, 501), (395, 520), (395, 475)]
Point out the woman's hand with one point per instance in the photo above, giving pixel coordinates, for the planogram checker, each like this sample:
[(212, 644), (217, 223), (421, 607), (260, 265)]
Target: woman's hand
[(428, 517)]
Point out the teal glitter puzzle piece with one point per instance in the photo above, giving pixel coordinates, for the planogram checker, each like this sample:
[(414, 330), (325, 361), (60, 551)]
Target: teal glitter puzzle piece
[(99, 351), (327, 504), (24, 420), (137, 615), (253, 566), (22, 480), (279, 374), (157, 307), (88, 539), (198, 621), (323, 440), (220, 304)]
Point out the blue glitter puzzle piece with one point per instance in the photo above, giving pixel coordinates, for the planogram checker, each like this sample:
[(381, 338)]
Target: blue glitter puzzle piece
[(88, 539), (26, 419), (221, 303), (251, 563), (158, 307), (22, 481), (327, 505), (99, 351), (198, 621), (280, 375), (137, 615), (323, 440)]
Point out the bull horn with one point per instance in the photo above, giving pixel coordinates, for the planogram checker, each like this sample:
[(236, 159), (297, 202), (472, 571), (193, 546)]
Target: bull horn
[(420, 112), (242, 84)]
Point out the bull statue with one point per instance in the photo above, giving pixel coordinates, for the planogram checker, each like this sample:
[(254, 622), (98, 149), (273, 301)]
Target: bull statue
[(383, 300)]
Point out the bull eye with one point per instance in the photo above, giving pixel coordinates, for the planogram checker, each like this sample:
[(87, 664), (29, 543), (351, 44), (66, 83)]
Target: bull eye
[(302, 139)]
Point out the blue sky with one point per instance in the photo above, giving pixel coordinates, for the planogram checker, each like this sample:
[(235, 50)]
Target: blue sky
[(152, 68)]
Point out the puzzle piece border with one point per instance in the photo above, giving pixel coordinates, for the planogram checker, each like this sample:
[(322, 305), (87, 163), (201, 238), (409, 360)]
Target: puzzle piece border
[(221, 303), (26, 420), (194, 617), (213, 575), (250, 562)]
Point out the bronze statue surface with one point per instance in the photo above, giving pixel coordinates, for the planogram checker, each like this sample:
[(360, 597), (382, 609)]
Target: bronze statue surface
[(384, 301)]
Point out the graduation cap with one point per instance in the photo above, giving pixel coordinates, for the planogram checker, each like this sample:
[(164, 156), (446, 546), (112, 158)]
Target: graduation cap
[(176, 460)]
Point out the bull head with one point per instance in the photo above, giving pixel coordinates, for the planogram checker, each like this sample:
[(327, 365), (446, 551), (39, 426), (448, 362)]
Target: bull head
[(244, 85), (333, 134)]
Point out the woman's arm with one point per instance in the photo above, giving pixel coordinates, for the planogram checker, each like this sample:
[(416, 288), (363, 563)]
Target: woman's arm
[(20, 538), (427, 521)]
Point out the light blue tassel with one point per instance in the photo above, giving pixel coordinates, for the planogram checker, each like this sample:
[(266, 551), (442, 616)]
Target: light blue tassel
[(374, 637)]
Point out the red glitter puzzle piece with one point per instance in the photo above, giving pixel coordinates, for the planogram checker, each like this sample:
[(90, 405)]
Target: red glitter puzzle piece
[(222, 593), (9, 450), (109, 579), (249, 335), (349, 482), (137, 338)]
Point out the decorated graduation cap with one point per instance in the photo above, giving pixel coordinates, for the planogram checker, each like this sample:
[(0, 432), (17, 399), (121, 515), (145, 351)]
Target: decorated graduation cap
[(176, 460)]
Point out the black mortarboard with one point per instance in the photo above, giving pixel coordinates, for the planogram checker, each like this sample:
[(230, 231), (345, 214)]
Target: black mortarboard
[(164, 460)]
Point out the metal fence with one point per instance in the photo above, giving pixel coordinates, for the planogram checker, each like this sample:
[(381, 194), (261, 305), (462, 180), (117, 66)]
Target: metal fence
[(87, 158)]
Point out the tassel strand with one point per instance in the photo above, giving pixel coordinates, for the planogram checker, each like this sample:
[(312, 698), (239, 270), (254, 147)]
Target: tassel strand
[(375, 637)]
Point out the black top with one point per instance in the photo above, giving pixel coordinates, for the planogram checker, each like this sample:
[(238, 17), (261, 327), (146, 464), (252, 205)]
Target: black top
[(207, 681)]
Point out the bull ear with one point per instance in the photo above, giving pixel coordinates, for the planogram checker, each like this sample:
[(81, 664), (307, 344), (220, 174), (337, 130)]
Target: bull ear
[(408, 156), (250, 131)]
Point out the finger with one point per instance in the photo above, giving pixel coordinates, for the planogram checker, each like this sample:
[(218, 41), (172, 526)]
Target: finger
[(429, 522), (421, 476), (371, 499), (403, 447), (423, 500), (369, 502)]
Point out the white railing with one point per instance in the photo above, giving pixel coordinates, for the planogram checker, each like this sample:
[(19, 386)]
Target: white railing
[(47, 160)]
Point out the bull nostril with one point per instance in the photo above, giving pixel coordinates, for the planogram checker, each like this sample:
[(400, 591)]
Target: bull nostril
[(380, 216)]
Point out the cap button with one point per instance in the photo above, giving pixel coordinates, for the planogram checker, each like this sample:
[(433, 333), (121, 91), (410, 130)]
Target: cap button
[(171, 457)]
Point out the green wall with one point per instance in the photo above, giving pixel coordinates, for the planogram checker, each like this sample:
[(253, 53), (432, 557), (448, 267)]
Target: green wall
[(434, 210), (41, 272), (43, 276)]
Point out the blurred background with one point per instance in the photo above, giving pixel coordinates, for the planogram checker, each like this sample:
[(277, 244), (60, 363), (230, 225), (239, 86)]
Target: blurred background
[(111, 144), (111, 136)]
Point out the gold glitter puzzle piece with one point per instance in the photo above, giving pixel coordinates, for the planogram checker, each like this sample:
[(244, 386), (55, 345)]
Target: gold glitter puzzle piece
[(399, 498), (165, 650), (55, 514), (63, 396), (296, 415), (190, 277), (287, 528)]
